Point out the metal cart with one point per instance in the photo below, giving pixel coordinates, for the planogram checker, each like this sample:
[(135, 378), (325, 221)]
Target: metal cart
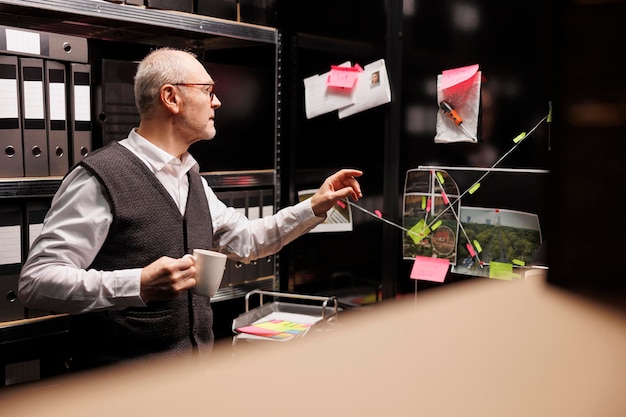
[(307, 309)]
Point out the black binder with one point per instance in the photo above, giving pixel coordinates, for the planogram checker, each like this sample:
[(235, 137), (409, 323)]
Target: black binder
[(18, 41), (11, 234), (34, 138), (56, 117), (80, 109), (266, 265), (35, 214), (11, 159), (237, 270), (253, 212), (224, 197), (115, 99), (224, 9)]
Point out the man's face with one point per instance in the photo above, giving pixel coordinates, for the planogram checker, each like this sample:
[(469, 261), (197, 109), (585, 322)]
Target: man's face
[(200, 103)]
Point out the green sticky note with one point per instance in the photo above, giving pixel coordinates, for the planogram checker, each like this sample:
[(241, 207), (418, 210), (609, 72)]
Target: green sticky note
[(423, 202), (474, 187), (519, 262), (441, 180), (501, 270), (477, 246), (519, 137), (436, 225), (419, 231)]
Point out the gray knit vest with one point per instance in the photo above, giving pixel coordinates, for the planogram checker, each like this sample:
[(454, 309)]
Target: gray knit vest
[(146, 225)]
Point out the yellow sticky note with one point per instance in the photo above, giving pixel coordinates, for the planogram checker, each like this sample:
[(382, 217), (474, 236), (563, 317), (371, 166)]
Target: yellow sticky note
[(474, 187), (436, 225), (441, 180), (477, 246)]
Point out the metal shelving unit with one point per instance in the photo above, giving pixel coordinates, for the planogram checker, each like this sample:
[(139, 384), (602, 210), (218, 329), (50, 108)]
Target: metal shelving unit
[(30, 187), (112, 21), (100, 20)]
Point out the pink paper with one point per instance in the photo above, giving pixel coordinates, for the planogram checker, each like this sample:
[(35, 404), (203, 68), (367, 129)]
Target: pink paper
[(430, 269)]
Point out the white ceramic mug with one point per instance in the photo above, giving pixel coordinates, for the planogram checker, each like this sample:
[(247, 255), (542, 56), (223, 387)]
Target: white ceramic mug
[(210, 267)]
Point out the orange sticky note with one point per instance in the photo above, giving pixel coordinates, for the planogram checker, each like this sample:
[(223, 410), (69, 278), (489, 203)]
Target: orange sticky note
[(342, 77), (430, 269)]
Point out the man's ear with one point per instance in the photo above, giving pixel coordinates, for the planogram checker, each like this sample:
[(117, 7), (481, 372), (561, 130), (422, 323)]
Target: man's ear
[(170, 98)]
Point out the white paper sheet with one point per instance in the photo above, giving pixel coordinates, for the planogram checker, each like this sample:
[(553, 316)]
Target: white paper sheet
[(338, 218), (319, 99)]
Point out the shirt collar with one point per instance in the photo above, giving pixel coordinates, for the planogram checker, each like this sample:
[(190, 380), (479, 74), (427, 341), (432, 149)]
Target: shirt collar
[(156, 157)]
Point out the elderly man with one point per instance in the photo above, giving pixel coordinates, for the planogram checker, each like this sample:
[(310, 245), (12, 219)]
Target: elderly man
[(112, 248)]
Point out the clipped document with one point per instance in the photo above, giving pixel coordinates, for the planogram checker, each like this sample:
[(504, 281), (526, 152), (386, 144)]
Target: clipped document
[(372, 89), (458, 97)]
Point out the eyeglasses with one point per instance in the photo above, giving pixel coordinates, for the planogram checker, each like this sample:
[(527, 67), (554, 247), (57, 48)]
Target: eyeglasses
[(210, 90)]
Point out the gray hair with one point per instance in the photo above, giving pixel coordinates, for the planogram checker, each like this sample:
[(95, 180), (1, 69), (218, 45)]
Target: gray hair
[(161, 66)]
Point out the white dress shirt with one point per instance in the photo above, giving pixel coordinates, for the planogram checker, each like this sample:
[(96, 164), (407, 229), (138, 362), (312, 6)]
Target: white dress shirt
[(55, 275)]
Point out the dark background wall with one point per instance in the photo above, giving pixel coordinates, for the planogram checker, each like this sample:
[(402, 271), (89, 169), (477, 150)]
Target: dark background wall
[(534, 55), (590, 153), (513, 42)]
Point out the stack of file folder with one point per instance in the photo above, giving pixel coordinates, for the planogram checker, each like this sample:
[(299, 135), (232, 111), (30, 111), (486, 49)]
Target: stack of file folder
[(45, 102)]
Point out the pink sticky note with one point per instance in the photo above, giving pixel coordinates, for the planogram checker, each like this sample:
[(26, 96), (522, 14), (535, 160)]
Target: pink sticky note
[(341, 204), (378, 213), (342, 77), (430, 269), (453, 77), (428, 205), (256, 330)]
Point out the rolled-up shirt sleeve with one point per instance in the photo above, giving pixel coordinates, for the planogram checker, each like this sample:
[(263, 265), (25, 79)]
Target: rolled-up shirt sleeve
[(55, 277), (246, 240)]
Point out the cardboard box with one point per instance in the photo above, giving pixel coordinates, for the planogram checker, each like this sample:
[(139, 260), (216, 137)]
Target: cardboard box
[(179, 5), (258, 12), (223, 9)]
